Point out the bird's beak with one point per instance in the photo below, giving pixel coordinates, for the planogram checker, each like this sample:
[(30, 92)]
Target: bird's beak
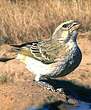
[(75, 26)]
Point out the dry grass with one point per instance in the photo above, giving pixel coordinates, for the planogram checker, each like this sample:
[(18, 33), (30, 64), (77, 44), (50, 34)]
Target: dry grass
[(24, 20), (4, 78)]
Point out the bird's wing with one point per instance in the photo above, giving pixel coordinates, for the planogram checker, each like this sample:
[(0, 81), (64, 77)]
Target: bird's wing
[(44, 51), (52, 50)]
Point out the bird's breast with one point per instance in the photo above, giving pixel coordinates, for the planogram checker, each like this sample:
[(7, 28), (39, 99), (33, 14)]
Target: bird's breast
[(68, 63)]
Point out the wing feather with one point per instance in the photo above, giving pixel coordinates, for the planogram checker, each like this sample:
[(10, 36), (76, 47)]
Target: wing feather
[(44, 51)]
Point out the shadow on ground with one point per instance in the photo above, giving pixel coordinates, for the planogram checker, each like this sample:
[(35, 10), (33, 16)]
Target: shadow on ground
[(78, 92)]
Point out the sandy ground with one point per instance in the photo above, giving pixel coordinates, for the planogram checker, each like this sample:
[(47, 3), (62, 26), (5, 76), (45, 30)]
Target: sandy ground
[(17, 89)]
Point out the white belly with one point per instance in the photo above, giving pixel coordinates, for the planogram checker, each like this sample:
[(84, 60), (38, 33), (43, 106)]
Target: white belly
[(37, 67)]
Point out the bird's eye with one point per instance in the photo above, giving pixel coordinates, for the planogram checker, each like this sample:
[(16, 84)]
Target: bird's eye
[(65, 25)]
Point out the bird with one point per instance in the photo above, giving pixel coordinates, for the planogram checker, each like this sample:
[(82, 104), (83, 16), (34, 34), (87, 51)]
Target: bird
[(54, 57)]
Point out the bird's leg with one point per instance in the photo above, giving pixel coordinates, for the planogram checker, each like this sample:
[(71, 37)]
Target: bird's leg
[(40, 82)]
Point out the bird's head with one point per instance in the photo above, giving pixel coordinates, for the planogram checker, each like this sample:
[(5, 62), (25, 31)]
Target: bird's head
[(66, 31)]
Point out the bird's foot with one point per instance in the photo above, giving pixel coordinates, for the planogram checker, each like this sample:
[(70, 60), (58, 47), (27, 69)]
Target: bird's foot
[(45, 85), (60, 90), (49, 87)]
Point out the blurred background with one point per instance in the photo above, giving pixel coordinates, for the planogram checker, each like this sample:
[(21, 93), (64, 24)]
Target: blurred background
[(24, 20)]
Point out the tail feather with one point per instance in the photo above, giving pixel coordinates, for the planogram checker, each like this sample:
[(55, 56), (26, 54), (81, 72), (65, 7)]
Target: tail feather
[(23, 44), (5, 59)]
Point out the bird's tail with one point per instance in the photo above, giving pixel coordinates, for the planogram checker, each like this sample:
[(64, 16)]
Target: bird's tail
[(22, 45), (5, 59), (17, 47)]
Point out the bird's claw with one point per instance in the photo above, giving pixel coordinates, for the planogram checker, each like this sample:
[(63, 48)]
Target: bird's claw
[(60, 90)]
